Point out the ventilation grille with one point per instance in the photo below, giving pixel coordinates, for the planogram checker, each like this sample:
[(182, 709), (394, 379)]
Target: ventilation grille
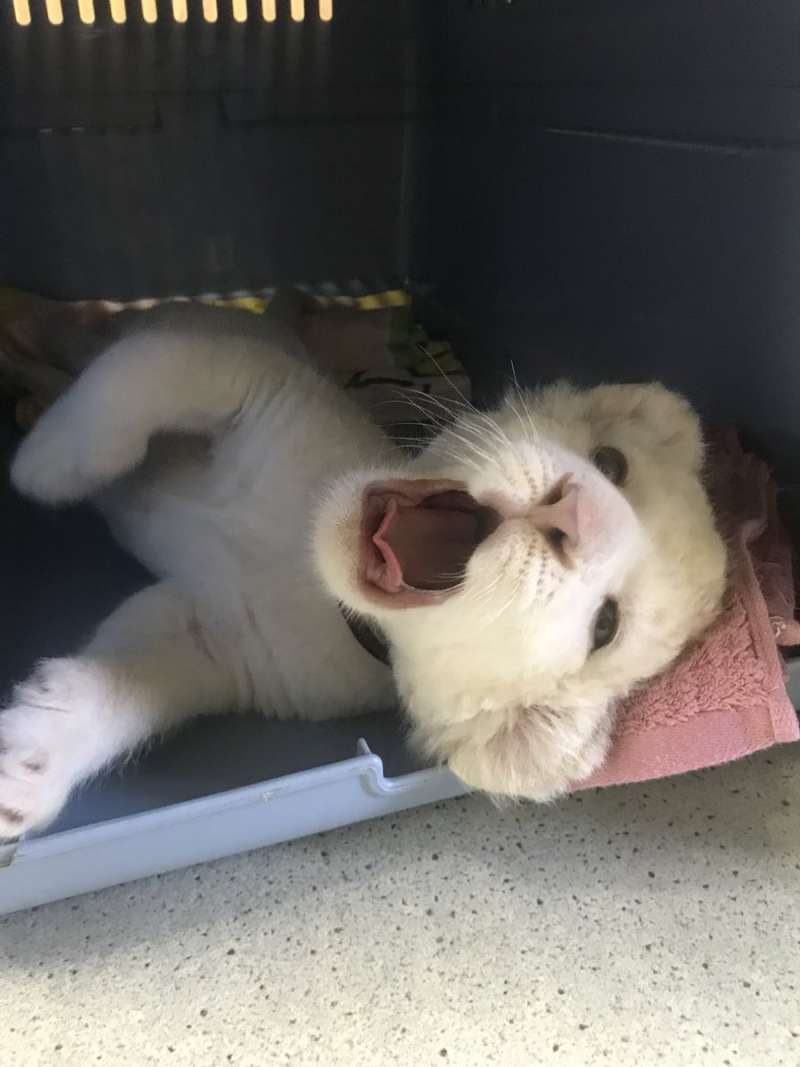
[(150, 11)]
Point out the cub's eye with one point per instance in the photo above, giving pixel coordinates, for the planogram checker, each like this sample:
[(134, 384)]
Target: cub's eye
[(611, 463), (606, 624)]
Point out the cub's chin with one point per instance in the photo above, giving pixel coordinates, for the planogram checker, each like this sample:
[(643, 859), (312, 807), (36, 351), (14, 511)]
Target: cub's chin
[(386, 544)]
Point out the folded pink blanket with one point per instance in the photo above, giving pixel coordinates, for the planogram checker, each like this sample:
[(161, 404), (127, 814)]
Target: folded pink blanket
[(725, 697)]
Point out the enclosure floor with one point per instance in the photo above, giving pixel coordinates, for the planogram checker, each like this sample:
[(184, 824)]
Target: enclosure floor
[(645, 925)]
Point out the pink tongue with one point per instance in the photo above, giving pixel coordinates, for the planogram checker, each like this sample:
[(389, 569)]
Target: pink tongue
[(427, 548)]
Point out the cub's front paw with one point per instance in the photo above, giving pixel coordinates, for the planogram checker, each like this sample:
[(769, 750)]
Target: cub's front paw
[(40, 746), (70, 455)]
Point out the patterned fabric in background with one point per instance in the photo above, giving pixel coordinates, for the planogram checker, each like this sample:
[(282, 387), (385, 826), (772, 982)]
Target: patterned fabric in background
[(368, 341)]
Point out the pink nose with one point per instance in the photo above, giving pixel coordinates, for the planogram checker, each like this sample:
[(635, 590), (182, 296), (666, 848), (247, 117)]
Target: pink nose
[(563, 517)]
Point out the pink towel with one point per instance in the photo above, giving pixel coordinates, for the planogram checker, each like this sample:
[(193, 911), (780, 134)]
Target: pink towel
[(725, 697)]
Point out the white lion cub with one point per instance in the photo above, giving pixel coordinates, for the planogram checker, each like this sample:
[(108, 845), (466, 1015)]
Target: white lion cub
[(527, 569)]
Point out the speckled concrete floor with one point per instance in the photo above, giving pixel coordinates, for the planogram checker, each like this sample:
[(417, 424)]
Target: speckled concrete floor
[(655, 924)]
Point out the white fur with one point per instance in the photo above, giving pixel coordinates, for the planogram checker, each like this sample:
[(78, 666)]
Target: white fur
[(496, 678)]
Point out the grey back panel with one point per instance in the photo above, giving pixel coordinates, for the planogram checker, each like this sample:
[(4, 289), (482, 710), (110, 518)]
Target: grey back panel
[(618, 197), (142, 160)]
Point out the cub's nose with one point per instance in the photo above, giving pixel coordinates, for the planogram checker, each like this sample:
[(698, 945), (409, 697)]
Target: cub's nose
[(565, 517)]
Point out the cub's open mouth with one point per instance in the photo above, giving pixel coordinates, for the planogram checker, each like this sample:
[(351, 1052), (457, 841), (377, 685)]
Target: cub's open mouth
[(417, 537)]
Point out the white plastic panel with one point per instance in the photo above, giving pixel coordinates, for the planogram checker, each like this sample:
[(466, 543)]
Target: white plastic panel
[(75, 861)]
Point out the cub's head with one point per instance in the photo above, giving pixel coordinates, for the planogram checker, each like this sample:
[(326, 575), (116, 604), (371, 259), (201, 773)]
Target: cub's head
[(529, 568)]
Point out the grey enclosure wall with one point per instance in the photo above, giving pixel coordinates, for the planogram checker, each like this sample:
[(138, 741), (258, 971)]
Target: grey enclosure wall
[(151, 160), (617, 195), (598, 189)]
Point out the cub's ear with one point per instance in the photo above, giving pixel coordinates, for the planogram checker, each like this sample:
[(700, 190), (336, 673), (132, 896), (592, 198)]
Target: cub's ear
[(669, 418), (535, 753)]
